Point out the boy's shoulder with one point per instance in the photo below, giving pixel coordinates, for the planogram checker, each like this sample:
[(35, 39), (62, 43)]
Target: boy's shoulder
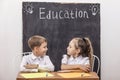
[(27, 56), (32, 56), (46, 56)]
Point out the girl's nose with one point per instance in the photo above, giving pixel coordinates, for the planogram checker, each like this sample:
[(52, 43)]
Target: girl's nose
[(67, 48)]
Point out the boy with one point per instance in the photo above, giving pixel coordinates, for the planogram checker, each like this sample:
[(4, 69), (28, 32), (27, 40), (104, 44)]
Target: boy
[(38, 59)]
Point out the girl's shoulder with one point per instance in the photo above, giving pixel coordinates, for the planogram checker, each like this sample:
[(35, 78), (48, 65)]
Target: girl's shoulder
[(82, 57), (65, 56)]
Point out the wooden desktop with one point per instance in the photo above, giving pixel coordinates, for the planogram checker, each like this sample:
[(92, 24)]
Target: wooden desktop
[(61, 75)]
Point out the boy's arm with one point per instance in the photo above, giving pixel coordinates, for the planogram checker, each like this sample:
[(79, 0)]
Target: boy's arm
[(23, 62), (48, 66), (31, 66), (25, 67)]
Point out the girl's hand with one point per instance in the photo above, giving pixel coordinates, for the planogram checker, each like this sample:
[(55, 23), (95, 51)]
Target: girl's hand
[(85, 68)]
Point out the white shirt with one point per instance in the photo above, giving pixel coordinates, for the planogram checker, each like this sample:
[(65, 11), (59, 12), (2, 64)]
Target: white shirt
[(43, 62), (78, 60)]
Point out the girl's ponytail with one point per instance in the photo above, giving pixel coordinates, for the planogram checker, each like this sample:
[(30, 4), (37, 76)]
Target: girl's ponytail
[(89, 49)]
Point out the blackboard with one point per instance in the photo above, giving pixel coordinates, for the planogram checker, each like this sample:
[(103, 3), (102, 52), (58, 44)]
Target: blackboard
[(59, 23)]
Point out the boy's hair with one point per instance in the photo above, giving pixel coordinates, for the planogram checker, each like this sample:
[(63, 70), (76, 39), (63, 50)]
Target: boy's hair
[(86, 47), (35, 41)]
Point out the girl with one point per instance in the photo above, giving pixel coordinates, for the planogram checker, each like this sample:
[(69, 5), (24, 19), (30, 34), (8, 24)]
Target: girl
[(79, 55)]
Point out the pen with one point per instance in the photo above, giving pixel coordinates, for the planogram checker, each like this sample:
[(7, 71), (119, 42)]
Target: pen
[(82, 75), (46, 74)]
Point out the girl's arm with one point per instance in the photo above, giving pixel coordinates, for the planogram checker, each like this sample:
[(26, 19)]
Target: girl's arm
[(85, 68), (69, 67)]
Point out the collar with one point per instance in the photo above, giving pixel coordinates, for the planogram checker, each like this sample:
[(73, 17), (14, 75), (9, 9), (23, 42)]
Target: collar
[(35, 57), (72, 58)]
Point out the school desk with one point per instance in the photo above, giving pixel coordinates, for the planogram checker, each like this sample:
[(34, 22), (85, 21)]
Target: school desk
[(61, 75)]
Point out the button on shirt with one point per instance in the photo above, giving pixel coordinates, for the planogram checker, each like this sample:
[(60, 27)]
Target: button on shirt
[(43, 62), (78, 60)]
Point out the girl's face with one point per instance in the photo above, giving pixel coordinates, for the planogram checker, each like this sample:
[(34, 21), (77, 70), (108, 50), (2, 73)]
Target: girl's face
[(42, 49), (71, 50)]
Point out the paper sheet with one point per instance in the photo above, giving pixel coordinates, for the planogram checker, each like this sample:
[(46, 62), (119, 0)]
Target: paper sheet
[(36, 75), (63, 71), (72, 75)]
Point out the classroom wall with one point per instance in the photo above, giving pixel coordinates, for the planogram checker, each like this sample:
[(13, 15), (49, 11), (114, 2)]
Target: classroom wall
[(11, 37)]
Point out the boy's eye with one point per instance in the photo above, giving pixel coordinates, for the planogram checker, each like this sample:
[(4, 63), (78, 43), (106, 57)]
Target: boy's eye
[(45, 47)]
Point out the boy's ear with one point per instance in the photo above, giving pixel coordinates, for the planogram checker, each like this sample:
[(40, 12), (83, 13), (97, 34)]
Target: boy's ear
[(35, 48)]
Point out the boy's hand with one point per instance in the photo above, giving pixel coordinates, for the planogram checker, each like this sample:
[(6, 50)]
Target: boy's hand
[(31, 66), (42, 69)]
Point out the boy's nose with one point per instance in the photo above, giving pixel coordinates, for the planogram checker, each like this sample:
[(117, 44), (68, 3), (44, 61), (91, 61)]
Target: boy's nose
[(46, 49)]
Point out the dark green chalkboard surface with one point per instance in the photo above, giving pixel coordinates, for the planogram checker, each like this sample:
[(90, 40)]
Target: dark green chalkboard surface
[(59, 23)]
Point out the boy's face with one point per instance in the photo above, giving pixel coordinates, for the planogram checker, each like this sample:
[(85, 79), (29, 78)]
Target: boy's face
[(41, 50)]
